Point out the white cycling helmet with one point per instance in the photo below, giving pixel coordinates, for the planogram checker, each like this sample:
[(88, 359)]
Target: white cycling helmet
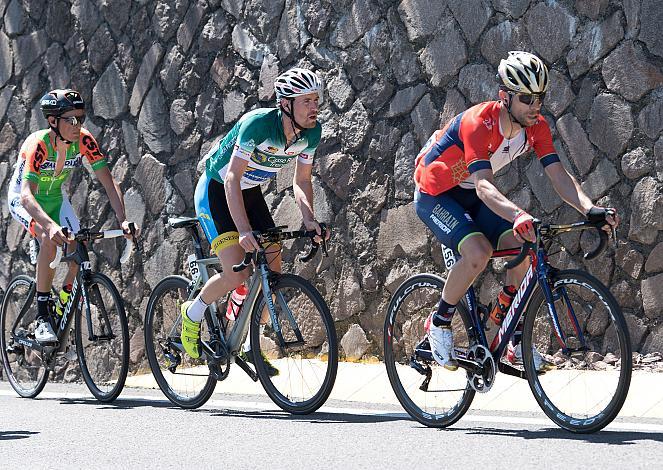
[(523, 72), (297, 82)]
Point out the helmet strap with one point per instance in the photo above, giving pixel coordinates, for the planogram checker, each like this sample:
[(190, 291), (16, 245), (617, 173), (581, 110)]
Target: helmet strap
[(58, 134), (513, 118), (296, 128)]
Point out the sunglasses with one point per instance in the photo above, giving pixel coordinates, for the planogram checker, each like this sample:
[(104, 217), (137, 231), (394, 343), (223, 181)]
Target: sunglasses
[(74, 120), (530, 99)]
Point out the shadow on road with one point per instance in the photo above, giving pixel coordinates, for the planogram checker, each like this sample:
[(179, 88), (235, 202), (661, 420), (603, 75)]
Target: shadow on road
[(119, 404), (13, 435), (601, 437), (319, 417)]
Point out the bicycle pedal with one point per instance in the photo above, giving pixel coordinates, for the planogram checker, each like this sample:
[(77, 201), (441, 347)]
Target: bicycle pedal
[(70, 355)]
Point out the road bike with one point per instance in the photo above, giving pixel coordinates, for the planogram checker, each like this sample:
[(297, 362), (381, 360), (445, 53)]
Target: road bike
[(100, 337), (298, 335), (569, 317)]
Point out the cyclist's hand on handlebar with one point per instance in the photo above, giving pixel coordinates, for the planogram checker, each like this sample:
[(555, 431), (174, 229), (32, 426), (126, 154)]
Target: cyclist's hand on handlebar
[(314, 225), (248, 241), (127, 230), (604, 214), (57, 235), (523, 227)]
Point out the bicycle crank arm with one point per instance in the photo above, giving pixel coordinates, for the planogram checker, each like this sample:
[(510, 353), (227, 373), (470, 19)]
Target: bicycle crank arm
[(468, 365), (508, 369), (34, 345), (101, 337), (246, 368)]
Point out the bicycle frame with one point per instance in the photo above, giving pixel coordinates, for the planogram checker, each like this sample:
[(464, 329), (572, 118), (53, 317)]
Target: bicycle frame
[(537, 273), (79, 294), (259, 284)]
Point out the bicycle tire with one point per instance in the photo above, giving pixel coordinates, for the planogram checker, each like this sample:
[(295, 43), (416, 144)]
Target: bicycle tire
[(180, 389), (452, 394), (563, 393), (306, 373), (36, 374), (104, 362)]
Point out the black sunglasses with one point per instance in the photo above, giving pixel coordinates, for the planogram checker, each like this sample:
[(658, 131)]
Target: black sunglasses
[(74, 120), (529, 99)]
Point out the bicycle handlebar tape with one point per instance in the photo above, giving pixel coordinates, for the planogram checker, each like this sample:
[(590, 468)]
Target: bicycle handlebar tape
[(603, 237)]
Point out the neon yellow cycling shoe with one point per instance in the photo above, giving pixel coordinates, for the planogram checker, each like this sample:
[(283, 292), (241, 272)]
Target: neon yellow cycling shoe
[(190, 333)]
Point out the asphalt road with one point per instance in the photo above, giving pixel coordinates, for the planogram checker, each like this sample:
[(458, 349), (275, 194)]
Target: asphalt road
[(66, 428)]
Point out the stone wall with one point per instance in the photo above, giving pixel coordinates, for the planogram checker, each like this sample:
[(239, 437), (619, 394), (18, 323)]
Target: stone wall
[(163, 79)]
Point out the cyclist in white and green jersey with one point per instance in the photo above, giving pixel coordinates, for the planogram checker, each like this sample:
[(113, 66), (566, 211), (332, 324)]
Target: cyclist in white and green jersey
[(228, 199), (35, 197)]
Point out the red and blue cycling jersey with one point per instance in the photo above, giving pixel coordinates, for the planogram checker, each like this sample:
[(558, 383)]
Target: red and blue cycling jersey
[(473, 141)]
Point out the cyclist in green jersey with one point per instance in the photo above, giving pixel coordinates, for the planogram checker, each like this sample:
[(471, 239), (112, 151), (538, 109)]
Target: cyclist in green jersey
[(228, 199), (36, 200)]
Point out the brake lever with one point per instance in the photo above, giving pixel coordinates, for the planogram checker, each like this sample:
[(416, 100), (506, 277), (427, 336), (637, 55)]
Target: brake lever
[(323, 243), (138, 245)]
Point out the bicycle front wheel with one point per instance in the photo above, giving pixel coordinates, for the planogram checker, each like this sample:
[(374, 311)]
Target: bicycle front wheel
[(590, 348), (24, 367), (186, 382), (301, 344), (102, 339), (431, 394)]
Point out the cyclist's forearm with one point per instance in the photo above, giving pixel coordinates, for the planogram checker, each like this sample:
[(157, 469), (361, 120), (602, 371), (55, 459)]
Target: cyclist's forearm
[(33, 208), (304, 198), (117, 202), (113, 192), (236, 203), (496, 201), (570, 191)]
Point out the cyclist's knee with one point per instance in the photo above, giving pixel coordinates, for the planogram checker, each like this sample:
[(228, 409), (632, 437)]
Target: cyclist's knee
[(45, 243), (235, 279), (476, 251)]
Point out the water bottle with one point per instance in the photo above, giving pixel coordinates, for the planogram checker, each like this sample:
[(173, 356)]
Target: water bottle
[(504, 299), (235, 302)]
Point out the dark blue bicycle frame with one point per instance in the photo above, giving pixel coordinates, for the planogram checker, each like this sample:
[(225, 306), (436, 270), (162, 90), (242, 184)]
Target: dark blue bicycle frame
[(540, 270)]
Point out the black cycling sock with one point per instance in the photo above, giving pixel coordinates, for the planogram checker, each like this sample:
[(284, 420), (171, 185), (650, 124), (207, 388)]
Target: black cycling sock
[(444, 314), (42, 304)]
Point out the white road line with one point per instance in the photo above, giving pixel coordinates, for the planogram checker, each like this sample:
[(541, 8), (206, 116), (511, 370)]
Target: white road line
[(268, 406)]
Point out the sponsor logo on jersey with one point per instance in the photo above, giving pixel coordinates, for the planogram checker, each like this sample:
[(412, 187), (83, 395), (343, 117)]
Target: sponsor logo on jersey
[(272, 149), (204, 215), (260, 157), (278, 160)]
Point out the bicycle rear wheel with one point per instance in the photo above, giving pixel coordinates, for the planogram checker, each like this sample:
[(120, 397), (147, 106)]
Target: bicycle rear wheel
[(103, 350), (447, 395), (308, 362), (186, 382), (24, 367), (591, 351)]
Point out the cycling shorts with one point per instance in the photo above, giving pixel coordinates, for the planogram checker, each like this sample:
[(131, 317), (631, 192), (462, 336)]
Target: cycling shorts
[(457, 214), (214, 215), (57, 208)]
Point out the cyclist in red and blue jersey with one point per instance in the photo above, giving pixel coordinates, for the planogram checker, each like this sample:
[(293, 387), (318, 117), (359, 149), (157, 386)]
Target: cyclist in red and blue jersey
[(457, 199), (36, 199), (228, 199)]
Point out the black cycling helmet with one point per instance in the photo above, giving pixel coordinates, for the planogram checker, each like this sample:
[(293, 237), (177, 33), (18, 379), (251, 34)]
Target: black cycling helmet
[(57, 102)]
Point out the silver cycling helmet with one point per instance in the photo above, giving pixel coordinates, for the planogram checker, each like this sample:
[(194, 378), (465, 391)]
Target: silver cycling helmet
[(297, 82), (522, 72)]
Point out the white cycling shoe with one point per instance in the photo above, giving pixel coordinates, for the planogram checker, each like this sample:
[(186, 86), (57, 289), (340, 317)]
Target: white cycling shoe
[(442, 345), (44, 332)]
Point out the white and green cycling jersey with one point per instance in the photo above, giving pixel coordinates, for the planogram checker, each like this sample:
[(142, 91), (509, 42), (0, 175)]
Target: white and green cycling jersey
[(258, 138)]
